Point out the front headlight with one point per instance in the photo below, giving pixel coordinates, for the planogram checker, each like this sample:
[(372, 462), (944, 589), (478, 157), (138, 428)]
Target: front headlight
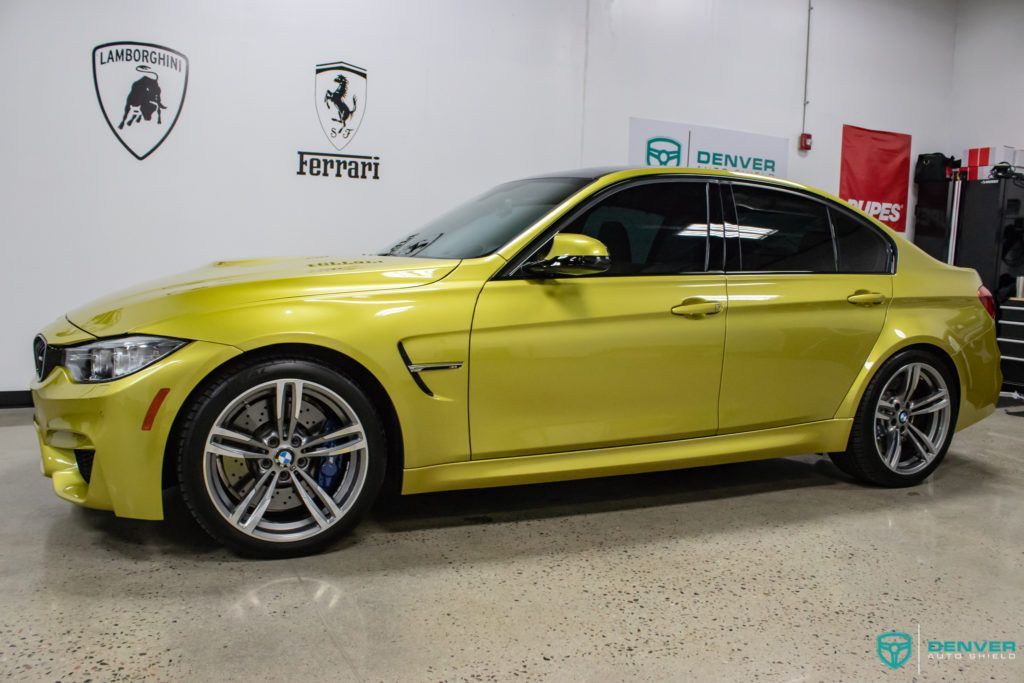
[(108, 359)]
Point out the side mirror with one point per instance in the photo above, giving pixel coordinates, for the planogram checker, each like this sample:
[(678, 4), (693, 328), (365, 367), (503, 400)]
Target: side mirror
[(571, 255)]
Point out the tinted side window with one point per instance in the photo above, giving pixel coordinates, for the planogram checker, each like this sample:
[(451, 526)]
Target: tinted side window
[(779, 231), (651, 229), (861, 248), (486, 223)]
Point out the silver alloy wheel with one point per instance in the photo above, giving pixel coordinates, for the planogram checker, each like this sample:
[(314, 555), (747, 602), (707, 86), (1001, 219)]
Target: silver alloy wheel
[(912, 418), (285, 460)]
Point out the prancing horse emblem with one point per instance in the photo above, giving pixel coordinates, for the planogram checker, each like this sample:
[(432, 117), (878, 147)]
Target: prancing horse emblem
[(337, 98), (340, 100)]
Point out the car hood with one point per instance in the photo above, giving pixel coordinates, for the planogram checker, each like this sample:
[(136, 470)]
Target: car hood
[(226, 284)]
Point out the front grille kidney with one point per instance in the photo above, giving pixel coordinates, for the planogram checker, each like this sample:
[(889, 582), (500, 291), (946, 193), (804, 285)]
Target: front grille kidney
[(39, 354), (46, 356)]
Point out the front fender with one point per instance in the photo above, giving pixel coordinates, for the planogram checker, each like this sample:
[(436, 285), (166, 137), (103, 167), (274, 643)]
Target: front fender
[(432, 322)]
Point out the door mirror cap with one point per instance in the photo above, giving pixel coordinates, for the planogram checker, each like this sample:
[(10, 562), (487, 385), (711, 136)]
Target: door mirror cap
[(571, 255)]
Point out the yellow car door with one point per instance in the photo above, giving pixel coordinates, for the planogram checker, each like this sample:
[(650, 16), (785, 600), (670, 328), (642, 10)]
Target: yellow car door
[(808, 288), (633, 355)]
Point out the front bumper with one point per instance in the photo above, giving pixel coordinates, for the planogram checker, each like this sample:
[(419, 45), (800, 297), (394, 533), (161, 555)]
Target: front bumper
[(100, 427)]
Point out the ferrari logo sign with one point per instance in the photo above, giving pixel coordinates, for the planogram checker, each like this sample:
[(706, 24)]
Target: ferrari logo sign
[(340, 100), (141, 89)]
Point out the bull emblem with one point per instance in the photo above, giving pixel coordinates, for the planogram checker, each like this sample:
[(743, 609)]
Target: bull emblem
[(143, 99), (141, 89), (337, 98), (894, 648)]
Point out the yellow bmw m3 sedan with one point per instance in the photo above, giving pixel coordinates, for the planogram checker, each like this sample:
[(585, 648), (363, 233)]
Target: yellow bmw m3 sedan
[(590, 323)]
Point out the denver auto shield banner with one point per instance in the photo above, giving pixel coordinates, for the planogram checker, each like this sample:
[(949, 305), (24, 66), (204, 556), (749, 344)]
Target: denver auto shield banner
[(874, 173), (667, 143)]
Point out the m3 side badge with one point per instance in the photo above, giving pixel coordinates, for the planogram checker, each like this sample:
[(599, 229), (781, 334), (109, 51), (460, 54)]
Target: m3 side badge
[(141, 90), (340, 100)]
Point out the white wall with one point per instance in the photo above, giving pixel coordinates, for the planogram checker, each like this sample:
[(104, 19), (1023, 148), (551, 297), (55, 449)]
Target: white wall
[(988, 79), (740, 64), (462, 94)]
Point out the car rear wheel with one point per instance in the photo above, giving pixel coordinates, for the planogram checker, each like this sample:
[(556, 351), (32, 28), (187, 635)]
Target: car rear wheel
[(905, 422), (280, 457)]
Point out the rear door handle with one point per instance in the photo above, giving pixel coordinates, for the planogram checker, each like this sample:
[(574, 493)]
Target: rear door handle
[(865, 298), (697, 307)]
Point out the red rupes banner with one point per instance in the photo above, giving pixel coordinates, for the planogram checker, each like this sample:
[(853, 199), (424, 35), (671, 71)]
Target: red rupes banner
[(874, 174)]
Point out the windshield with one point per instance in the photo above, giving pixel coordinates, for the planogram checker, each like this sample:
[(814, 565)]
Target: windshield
[(485, 224)]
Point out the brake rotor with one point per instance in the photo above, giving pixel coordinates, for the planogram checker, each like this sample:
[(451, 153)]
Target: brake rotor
[(256, 418)]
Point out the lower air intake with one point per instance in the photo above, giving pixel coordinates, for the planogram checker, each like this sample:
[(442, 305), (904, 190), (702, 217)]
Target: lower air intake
[(84, 459)]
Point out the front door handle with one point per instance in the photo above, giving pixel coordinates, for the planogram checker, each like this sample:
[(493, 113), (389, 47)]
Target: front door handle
[(697, 307), (864, 298)]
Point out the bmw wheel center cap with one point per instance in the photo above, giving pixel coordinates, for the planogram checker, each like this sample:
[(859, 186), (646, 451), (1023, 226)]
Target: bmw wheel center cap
[(903, 417), (284, 458)]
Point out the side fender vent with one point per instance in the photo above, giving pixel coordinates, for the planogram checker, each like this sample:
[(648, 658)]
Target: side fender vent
[(415, 375)]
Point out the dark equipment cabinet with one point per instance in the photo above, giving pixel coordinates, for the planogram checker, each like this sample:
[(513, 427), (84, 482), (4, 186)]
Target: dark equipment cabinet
[(1011, 342), (989, 237), (932, 217)]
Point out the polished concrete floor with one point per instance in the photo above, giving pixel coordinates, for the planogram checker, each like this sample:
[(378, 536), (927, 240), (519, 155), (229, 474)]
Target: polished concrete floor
[(776, 571)]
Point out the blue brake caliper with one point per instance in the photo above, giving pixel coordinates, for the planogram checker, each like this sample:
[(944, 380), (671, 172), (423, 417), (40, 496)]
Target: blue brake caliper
[(330, 468)]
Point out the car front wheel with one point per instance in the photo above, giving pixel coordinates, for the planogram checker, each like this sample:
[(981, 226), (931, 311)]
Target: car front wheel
[(280, 457), (905, 422)]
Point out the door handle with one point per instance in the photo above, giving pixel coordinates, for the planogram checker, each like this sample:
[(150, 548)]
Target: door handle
[(696, 307), (865, 298)]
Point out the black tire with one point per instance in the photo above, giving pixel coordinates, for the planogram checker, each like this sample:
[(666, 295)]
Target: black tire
[(862, 459), (842, 463), (202, 412)]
